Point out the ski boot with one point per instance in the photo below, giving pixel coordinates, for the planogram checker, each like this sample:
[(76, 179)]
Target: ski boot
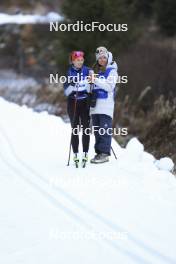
[(76, 160), (84, 159)]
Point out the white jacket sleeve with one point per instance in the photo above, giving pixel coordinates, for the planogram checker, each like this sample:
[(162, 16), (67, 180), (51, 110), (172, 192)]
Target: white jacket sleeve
[(69, 90), (109, 83), (81, 86)]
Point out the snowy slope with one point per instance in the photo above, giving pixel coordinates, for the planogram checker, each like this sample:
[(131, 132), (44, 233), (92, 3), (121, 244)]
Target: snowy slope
[(29, 19), (120, 212)]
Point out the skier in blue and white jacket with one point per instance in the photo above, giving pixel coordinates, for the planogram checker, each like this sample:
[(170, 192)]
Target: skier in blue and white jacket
[(76, 89), (102, 114)]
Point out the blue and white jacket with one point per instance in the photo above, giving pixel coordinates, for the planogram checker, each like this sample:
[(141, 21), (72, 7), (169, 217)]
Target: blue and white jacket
[(77, 81), (104, 86)]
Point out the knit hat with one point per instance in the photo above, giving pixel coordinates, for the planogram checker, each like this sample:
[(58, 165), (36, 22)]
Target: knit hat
[(101, 51)]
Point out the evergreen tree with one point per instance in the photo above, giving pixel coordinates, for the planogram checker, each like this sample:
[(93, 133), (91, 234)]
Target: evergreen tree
[(103, 11), (166, 16)]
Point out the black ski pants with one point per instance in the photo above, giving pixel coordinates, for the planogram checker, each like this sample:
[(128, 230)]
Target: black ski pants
[(79, 116)]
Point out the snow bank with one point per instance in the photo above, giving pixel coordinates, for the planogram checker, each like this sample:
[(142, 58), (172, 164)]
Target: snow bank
[(165, 164), (17, 85), (134, 153), (134, 149), (29, 19)]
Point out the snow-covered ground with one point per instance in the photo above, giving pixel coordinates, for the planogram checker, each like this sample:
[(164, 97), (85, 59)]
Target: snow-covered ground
[(29, 19), (22, 90), (123, 211)]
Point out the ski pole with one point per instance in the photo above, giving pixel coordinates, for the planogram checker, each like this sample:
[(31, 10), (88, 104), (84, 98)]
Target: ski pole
[(74, 116), (91, 72), (113, 152)]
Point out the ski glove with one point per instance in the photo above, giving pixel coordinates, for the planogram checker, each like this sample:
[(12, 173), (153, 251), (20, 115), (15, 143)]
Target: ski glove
[(81, 86)]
